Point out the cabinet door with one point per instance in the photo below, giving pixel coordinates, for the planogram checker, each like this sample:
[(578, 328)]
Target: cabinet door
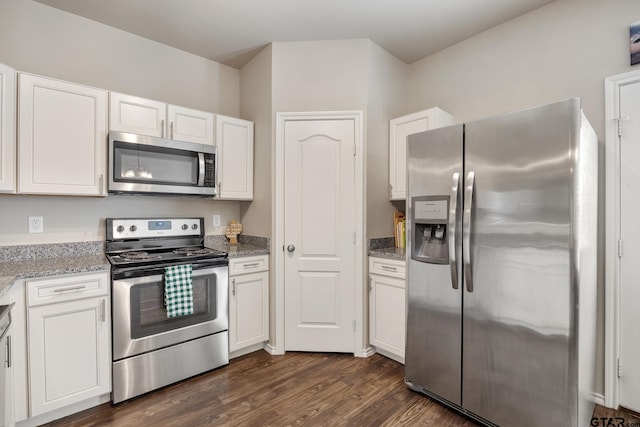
[(234, 139), (399, 129), (7, 129), (190, 125), (62, 137), (69, 357), (387, 314), (137, 115), (248, 310)]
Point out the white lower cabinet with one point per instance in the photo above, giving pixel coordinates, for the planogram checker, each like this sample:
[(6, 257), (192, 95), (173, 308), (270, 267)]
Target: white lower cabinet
[(248, 302), (69, 358), (387, 306)]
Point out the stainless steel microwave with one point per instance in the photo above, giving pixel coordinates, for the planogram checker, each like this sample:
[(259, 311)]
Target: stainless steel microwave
[(144, 164)]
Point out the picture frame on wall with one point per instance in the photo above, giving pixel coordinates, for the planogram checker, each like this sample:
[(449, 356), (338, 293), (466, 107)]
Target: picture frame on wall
[(634, 42)]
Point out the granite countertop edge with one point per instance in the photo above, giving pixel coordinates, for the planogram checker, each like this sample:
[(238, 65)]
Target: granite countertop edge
[(390, 252), (239, 250), (31, 261), (11, 271)]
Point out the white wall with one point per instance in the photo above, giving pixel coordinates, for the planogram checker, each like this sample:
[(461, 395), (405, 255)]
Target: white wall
[(387, 83), (320, 76), (255, 101), (562, 50), (559, 51), (42, 40)]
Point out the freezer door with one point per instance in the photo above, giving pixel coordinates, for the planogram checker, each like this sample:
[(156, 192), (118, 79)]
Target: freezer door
[(433, 353), (518, 364)]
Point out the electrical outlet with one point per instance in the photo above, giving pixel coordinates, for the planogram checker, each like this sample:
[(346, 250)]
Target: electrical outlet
[(216, 220), (36, 224)]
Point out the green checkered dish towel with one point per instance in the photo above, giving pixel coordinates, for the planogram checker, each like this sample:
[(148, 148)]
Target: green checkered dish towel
[(178, 290)]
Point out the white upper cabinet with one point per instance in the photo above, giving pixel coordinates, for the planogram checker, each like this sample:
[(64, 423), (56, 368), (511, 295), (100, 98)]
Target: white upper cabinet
[(148, 117), (136, 115), (234, 142), (62, 133), (186, 124), (399, 129), (7, 129)]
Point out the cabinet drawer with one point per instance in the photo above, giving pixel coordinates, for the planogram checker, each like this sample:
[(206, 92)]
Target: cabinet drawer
[(66, 288), (251, 264), (387, 267)]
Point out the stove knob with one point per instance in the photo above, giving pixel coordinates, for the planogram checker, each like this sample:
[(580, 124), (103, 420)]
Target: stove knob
[(185, 226), (194, 226), (120, 229), (133, 228)]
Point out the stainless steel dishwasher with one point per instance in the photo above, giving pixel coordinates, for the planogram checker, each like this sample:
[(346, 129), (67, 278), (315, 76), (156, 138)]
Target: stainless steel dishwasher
[(5, 356)]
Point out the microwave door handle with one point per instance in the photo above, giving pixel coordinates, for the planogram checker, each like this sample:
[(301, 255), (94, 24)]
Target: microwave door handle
[(201, 169)]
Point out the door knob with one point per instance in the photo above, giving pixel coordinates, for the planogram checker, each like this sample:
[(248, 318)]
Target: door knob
[(291, 248)]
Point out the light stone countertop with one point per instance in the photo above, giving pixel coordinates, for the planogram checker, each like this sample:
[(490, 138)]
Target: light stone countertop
[(390, 252), (10, 271), (29, 261)]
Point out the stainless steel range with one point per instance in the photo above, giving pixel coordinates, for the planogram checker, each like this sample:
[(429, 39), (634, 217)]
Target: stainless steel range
[(151, 349)]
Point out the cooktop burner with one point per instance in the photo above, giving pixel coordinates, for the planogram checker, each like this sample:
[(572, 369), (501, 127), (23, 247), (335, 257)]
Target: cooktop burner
[(193, 251), (139, 256)]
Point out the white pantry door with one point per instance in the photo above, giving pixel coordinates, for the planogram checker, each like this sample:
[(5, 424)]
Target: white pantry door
[(319, 235), (630, 236)]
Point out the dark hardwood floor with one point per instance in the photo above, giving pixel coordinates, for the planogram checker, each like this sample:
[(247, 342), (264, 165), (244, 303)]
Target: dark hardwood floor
[(316, 389)]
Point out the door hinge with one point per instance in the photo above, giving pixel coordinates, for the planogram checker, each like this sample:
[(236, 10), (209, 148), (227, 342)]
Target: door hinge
[(619, 369), (619, 127), (620, 120), (619, 248)]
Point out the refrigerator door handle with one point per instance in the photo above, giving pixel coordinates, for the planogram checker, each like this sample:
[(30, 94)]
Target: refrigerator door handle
[(466, 229), (453, 217)]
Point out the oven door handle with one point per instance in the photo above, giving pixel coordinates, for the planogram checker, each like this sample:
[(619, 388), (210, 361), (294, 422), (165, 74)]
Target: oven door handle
[(155, 277)]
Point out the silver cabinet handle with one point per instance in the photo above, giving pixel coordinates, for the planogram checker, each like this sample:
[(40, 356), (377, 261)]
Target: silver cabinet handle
[(291, 248), (171, 130), (162, 128), (233, 287), (251, 265), (70, 288), (453, 217), (101, 184), (466, 231), (370, 284), (388, 268), (9, 356), (103, 310)]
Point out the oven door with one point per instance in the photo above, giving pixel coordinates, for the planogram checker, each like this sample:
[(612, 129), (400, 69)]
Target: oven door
[(140, 322)]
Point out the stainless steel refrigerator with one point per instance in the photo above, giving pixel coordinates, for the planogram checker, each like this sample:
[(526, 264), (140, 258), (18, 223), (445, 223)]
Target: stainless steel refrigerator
[(502, 232)]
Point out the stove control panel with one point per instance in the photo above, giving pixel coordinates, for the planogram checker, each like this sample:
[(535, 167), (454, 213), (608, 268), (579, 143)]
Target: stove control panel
[(136, 228)]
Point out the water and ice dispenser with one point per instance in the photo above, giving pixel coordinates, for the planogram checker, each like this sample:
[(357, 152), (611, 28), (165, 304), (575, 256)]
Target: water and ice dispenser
[(429, 227)]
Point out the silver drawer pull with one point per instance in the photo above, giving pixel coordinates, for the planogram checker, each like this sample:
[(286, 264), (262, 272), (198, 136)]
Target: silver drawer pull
[(386, 267), (253, 264), (71, 288)]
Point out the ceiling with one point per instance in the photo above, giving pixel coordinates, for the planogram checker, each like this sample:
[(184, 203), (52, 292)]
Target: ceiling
[(233, 31)]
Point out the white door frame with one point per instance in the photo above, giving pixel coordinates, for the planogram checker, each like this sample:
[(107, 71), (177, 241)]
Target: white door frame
[(612, 232), (277, 341)]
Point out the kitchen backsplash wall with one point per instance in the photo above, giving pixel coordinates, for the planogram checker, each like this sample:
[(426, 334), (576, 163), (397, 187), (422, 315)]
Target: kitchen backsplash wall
[(81, 219)]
